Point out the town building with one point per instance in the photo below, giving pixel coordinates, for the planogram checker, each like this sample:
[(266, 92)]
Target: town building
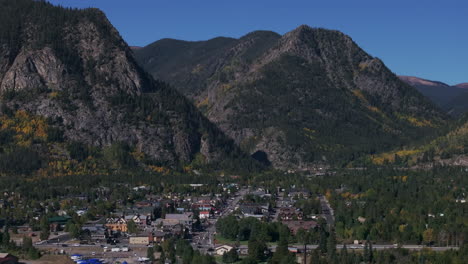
[(140, 240), (222, 249), (289, 213), (116, 224)]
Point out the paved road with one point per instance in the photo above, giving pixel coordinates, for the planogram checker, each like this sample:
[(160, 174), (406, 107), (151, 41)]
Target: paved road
[(204, 241), (273, 247), (327, 211), (360, 247)]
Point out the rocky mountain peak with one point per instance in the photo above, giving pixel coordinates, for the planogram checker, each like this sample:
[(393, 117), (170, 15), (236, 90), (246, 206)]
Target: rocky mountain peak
[(73, 68), (419, 81), (298, 100)]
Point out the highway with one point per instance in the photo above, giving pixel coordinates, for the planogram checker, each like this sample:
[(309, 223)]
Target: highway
[(361, 247)]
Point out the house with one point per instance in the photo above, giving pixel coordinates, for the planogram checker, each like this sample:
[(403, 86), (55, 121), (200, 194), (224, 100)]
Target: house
[(202, 206), (298, 194), (139, 220), (116, 224), (96, 231), (250, 209), (222, 249), (204, 215), (6, 258), (361, 219), (142, 204), (288, 213), (81, 212), (58, 223), (294, 226), (284, 202)]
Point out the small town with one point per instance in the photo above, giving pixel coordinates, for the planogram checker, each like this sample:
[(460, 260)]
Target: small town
[(146, 227), (130, 230)]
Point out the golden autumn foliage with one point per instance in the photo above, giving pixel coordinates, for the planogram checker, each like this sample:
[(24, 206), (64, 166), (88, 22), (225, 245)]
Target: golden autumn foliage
[(27, 128), (54, 94), (158, 169), (416, 121), (138, 155), (358, 93), (205, 102), (309, 133), (390, 156), (360, 96)]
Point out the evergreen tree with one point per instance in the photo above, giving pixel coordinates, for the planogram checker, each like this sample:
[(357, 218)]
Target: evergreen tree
[(282, 251), (331, 247), (257, 250), (315, 257), (231, 256), (132, 227), (45, 228), (344, 255), (150, 253), (323, 239), (6, 239), (27, 243), (368, 254)]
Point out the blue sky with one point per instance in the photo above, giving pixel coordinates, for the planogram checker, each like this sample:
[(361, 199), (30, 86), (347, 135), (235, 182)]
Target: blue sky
[(424, 38)]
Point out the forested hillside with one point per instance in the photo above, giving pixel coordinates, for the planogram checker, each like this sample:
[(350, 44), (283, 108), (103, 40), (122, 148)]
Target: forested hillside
[(449, 149), (74, 100), (302, 100)]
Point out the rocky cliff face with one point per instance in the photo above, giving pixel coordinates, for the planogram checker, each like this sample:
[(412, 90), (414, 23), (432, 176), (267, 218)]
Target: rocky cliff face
[(75, 70), (301, 100)]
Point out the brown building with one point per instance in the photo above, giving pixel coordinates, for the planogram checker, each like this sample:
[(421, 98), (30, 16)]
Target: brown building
[(116, 224), (289, 213)]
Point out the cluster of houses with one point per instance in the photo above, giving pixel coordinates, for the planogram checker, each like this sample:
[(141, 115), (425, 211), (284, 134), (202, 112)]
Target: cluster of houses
[(285, 210), (153, 221), (293, 217)]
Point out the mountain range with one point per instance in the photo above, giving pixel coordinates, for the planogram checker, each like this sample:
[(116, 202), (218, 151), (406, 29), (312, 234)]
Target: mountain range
[(298, 100), (452, 99), (76, 97)]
